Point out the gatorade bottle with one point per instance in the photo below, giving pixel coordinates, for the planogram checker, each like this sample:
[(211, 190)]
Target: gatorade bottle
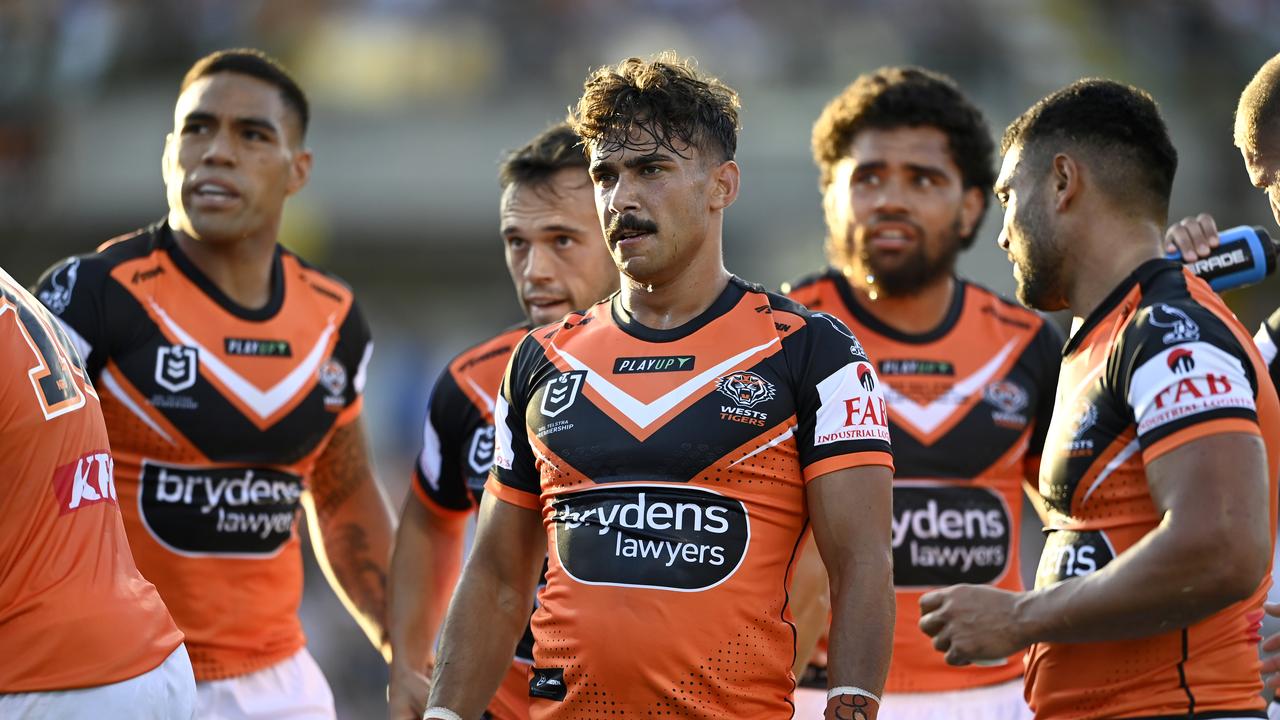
[(1245, 255)]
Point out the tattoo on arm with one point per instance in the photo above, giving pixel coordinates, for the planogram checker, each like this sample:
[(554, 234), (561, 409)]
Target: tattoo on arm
[(341, 469), (362, 577)]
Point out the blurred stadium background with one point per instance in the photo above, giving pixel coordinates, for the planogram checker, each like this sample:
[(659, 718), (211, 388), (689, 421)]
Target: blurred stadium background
[(415, 100)]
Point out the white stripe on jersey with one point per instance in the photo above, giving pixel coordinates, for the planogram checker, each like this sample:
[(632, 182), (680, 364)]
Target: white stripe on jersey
[(1266, 345)]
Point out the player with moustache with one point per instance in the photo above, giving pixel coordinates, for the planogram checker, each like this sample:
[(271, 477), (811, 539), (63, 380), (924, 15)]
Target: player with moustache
[(906, 164), (557, 258), (669, 448), (232, 374), (1163, 446)]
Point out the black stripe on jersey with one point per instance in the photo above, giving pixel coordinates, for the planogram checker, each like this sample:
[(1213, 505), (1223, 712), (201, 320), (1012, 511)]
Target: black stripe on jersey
[(1272, 328), (728, 298), (1182, 676), (878, 326), (455, 420)]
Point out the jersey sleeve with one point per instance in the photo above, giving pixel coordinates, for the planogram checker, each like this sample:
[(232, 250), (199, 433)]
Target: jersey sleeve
[(73, 291), (351, 355), (1267, 339), (439, 479), (1184, 376), (1046, 350), (514, 477), (841, 419)]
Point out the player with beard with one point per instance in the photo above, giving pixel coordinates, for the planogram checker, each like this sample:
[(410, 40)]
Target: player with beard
[(1163, 448), (675, 442), (558, 261), (232, 374), (906, 162)]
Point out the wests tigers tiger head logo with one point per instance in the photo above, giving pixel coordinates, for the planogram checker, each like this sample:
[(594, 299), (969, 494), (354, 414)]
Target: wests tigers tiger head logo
[(747, 389)]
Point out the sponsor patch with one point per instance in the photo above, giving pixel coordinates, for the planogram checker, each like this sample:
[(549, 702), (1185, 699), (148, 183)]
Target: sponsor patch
[(219, 511), (1185, 381), (88, 480), (57, 296), (916, 367), (257, 348), (685, 539), (948, 534), (656, 364), (853, 406), (547, 683), (559, 394), (746, 389), (177, 367), (333, 378), (1071, 553)]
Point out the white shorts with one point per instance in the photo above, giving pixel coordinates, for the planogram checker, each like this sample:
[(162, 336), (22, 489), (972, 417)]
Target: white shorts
[(991, 702), (167, 692), (293, 689)]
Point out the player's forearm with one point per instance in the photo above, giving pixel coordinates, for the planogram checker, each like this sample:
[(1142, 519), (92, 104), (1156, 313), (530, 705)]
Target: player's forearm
[(861, 641), (810, 604), (424, 569), (483, 625), (1162, 583), (354, 550)]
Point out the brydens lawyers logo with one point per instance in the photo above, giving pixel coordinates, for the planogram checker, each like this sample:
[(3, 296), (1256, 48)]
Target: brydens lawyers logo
[(746, 389), (560, 393), (89, 480), (176, 367)]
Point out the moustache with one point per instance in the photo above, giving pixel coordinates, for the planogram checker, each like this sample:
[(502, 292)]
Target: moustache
[(628, 223)]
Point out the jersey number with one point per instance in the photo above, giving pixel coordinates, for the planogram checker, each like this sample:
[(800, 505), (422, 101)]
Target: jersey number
[(57, 363)]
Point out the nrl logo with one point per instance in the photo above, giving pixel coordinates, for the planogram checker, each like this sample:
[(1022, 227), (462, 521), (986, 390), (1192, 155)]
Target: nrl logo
[(747, 389), (560, 393), (176, 367)]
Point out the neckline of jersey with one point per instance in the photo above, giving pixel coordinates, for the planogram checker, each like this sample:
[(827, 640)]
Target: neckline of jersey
[(165, 241), (1143, 274), (878, 326), (729, 297)]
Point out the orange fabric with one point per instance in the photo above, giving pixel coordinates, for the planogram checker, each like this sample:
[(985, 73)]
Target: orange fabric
[(511, 701), (239, 614), (74, 610), (986, 328), (1213, 663)]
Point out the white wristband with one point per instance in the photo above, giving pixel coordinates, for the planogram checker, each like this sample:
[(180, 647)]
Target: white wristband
[(850, 690), (440, 713)]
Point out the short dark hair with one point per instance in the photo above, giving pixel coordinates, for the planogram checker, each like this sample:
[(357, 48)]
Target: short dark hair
[(255, 64), (554, 149), (1259, 106), (1120, 124), (896, 97), (664, 97)]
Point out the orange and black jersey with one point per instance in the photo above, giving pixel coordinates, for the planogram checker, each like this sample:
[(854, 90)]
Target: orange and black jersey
[(216, 415), (457, 453), (74, 610), (969, 404), (670, 468), (1160, 363), (1267, 338), (457, 437)]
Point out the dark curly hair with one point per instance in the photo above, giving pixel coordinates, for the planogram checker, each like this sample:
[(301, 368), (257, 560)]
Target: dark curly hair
[(1119, 124), (664, 98), (1259, 107), (255, 64), (554, 149), (896, 97)]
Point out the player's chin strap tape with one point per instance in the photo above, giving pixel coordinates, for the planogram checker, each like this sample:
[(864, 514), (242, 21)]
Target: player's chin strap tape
[(440, 713), (851, 690)]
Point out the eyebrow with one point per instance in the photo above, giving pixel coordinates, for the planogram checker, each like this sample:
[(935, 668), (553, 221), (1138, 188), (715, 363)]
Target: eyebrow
[(914, 167), (635, 161), (251, 121), (554, 227)]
